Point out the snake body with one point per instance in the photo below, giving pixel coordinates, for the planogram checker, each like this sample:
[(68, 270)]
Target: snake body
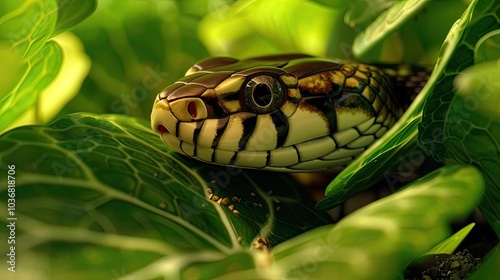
[(282, 113)]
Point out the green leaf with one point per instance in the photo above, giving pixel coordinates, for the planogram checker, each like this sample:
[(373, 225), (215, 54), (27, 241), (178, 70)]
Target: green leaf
[(27, 25), (472, 131), (400, 34), (25, 31), (457, 54), (379, 240), (103, 194), (487, 47), (361, 12), (25, 28), (12, 69), (375, 163), (398, 145), (479, 86), (446, 247), (385, 24), (41, 69), (51, 99), (70, 13), (449, 245)]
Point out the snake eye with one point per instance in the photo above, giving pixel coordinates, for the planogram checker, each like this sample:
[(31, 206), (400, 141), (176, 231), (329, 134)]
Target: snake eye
[(263, 94)]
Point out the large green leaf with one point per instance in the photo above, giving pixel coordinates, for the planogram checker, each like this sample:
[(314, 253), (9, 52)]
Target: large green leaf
[(472, 130), (25, 31), (457, 54), (25, 28), (102, 193), (51, 99), (379, 240), (398, 145)]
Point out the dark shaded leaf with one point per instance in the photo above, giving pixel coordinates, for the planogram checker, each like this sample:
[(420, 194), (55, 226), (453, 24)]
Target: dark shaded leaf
[(71, 13), (105, 192)]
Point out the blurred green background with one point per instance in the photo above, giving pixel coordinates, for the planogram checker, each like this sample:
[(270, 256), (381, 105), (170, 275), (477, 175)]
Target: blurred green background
[(125, 52)]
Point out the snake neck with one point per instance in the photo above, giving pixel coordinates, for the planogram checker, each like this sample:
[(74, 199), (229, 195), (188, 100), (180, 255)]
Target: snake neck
[(407, 80)]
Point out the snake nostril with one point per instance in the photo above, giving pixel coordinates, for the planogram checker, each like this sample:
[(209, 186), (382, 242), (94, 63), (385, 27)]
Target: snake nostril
[(161, 128), (192, 109)]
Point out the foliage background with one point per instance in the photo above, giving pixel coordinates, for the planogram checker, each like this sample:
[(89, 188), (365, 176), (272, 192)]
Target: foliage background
[(139, 47)]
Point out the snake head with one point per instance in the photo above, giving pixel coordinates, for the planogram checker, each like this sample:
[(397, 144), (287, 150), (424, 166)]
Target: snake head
[(221, 102), (278, 112)]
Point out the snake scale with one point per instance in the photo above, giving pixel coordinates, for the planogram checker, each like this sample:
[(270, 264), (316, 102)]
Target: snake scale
[(290, 113)]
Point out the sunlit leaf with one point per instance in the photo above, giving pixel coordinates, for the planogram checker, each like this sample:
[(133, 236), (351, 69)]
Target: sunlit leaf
[(480, 18), (379, 240), (74, 68), (472, 131), (26, 27), (42, 68), (25, 30), (449, 245), (479, 85), (11, 71)]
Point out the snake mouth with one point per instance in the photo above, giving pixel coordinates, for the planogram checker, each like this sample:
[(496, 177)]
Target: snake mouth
[(162, 129), (165, 135), (162, 119)]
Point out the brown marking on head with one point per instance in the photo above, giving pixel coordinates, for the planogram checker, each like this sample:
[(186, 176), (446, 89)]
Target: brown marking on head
[(323, 83)]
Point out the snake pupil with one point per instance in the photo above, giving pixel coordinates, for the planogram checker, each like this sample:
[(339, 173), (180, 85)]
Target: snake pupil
[(262, 95), (192, 109)]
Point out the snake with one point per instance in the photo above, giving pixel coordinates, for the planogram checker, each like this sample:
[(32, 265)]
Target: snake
[(289, 113)]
